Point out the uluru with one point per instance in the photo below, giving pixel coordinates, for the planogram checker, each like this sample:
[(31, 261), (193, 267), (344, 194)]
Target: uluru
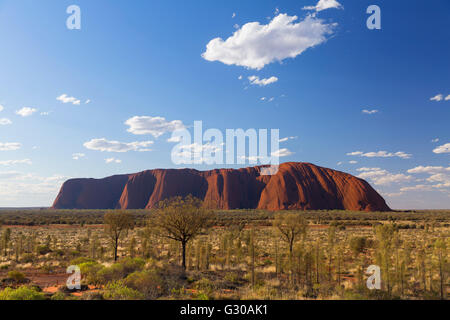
[(296, 185)]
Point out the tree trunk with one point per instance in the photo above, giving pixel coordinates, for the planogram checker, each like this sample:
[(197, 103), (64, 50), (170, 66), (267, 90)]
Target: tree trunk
[(116, 244), (183, 254)]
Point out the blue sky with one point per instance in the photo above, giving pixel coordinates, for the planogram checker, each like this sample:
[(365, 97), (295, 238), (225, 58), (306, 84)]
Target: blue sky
[(145, 60)]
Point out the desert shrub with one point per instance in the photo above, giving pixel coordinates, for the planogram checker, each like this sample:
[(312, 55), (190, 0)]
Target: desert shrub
[(119, 270), (59, 296), (149, 283), (108, 274), (80, 260), (43, 249), (27, 258), (117, 290), (16, 276), (92, 296), (357, 244), (22, 293), (205, 285), (131, 265), (89, 272)]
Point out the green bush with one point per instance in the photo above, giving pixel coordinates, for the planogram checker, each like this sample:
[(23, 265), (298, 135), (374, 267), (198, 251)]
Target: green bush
[(80, 260), (117, 290), (22, 293), (16, 275), (149, 283)]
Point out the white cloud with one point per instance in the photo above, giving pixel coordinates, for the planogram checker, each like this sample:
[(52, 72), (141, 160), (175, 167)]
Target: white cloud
[(370, 111), (240, 77), (381, 154), (2, 108), (364, 169), (26, 111), (255, 80), (445, 148), (5, 121), (284, 152), (419, 187), (428, 169), (156, 126), (255, 45), (287, 139), (10, 146), (46, 113), (14, 162), (78, 156), (116, 146), (438, 97), (233, 15), (113, 160), (438, 175), (87, 101), (263, 98), (187, 152), (353, 162), (447, 98), (382, 177), (323, 5), (64, 98), (25, 189), (174, 139), (435, 140)]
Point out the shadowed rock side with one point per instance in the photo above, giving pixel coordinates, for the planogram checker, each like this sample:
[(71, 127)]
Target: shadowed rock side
[(301, 186)]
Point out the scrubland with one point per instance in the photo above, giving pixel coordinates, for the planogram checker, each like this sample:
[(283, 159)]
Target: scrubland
[(240, 255)]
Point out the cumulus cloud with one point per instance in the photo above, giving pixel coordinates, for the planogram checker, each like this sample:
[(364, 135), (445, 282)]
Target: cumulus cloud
[(447, 98), (438, 97), (156, 126), (369, 111), (78, 156), (255, 80), (201, 153), (113, 160), (382, 177), (10, 146), (5, 121), (24, 189), (116, 146), (26, 111), (287, 139), (429, 169), (284, 152), (381, 154), (15, 162), (64, 98), (324, 4), (254, 45), (445, 148)]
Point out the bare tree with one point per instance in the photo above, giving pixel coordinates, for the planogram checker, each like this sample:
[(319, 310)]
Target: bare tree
[(117, 224), (181, 219)]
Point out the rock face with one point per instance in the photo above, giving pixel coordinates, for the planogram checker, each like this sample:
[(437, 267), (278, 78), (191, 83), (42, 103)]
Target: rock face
[(301, 186)]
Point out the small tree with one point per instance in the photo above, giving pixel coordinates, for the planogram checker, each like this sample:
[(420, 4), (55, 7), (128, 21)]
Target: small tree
[(181, 219), (291, 226), (116, 224)]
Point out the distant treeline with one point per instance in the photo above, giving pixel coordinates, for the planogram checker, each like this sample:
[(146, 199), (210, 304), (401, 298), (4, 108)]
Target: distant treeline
[(226, 217)]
